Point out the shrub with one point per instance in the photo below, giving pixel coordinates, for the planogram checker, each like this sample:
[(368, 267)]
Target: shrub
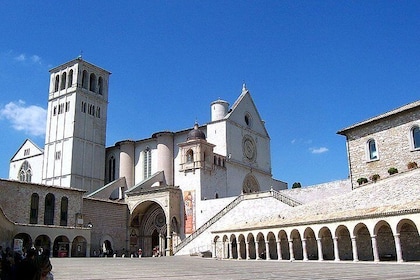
[(362, 181), (411, 165), (375, 177), (392, 170), (296, 185)]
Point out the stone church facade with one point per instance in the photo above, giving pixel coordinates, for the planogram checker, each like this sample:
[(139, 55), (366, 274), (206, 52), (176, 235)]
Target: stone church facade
[(208, 188)]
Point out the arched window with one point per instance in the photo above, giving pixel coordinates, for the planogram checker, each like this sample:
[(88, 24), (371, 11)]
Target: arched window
[(64, 211), (98, 112), (373, 153), (56, 83), (85, 79), (70, 82), (33, 218), (63, 80), (190, 156), (250, 184), (25, 172), (49, 209), (92, 82), (147, 163), (100, 85), (111, 169), (416, 137)]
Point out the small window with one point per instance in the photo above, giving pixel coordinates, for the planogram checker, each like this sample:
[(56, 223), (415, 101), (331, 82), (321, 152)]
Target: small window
[(67, 106), (58, 155), (373, 153), (416, 137), (100, 85), (64, 211), (57, 81), (26, 152), (49, 209), (63, 80), (190, 156), (25, 172), (85, 79), (70, 82), (92, 82)]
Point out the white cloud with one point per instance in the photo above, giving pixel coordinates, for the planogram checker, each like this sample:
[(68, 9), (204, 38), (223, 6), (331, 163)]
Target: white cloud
[(35, 59), (20, 57), (30, 119), (320, 150)]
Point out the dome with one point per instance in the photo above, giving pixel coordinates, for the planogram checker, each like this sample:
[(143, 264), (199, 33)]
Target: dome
[(196, 134)]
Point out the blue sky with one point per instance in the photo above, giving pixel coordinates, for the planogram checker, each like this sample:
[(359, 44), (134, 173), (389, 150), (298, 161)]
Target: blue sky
[(312, 67)]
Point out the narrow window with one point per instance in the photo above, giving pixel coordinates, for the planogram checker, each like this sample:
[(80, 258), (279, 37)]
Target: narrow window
[(92, 82), (147, 163), (33, 219), (373, 154), (70, 82), (55, 111), (111, 169), (57, 81), (100, 85), (57, 155), (63, 80), (85, 79), (64, 211), (49, 209), (98, 112), (416, 137)]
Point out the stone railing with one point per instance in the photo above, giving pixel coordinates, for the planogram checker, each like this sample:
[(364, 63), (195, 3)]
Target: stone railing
[(285, 199)]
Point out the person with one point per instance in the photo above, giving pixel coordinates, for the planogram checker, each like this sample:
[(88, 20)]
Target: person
[(27, 269), (44, 268)]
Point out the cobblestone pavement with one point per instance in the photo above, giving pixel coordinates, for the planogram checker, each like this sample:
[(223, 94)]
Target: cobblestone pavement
[(186, 267)]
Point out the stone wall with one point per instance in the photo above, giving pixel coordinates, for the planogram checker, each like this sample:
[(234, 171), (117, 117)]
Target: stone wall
[(393, 143), (109, 222)]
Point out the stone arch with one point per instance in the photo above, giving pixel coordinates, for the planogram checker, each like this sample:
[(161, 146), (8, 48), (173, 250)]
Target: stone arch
[(217, 247), (79, 247), (43, 243), (26, 240), (297, 245), (251, 254), (250, 184), (242, 246), (225, 247), (385, 241), (327, 243), (311, 244), (149, 222), (61, 247), (234, 247), (284, 245), (409, 240), (272, 246), (344, 243), (260, 246), (106, 245), (363, 242)]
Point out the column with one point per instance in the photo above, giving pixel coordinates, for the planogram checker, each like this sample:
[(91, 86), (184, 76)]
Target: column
[(336, 252), (375, 249), (354, 248), (292, 254), (320, 253), (247, 250), (238, 248), (398, 247), (230, 250), (267, 250), (257, 250), (168, 249), (279, 257), (88, 250), (213, 245), (305, 253), (70, 246), (223, 250)]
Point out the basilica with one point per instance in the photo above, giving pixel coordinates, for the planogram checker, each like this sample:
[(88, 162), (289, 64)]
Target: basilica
[(206, 190)]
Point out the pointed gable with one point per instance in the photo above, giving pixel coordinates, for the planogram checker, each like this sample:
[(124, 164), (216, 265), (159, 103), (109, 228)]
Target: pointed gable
[(245, 113), (26, 150)]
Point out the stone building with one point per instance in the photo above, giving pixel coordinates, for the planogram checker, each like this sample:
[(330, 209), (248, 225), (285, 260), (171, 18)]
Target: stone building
[(206, 189)]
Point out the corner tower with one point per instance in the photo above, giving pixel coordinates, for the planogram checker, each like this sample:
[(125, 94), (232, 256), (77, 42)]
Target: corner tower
[(74, 152)]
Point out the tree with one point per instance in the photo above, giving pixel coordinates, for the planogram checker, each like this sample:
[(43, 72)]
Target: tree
[(296, 185)]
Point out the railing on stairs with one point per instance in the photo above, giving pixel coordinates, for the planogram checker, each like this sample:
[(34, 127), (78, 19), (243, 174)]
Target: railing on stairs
[(275, 194), (210, 222), (285, 199)]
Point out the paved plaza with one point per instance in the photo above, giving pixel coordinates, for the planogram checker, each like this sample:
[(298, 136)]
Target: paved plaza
[(186, 267)]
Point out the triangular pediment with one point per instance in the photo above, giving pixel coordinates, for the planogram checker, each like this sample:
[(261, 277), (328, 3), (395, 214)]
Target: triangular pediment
[(26, 150), (245, 113)]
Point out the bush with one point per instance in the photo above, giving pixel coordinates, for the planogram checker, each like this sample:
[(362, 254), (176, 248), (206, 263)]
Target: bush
[(412, 165), (362, 181), (296, 185), (392, 170), (375, 177)]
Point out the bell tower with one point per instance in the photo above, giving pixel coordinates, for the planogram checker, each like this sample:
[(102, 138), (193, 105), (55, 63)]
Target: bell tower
[(74, 152)]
